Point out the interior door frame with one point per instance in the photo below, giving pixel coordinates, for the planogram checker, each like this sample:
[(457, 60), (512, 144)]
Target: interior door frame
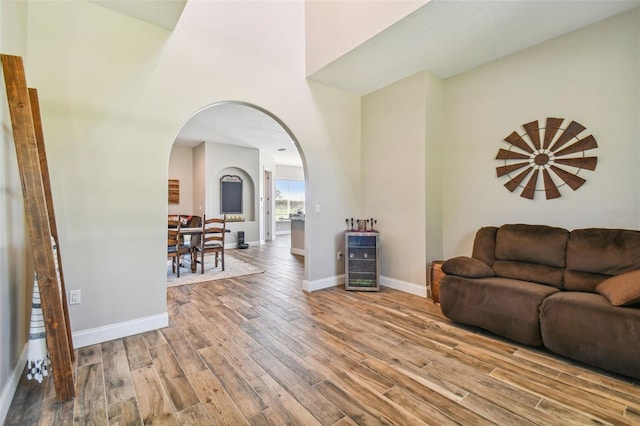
[(268, 205)]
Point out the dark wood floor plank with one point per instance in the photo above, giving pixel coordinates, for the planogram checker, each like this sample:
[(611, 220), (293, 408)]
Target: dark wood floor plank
[(172, 377), (287, 357), (323, 410), (501, 394), (565, 415), (193, 415), (493, 412), (633, 413), (218, 404), (55, 413), (153, 402), (335, 366), (89, 355), (446, 402), (27, 403), (357, 411), (137, 352), (192, 324), (353, 384), (323, 340), (117, 375), (425, 412), (282, 403), (614, 394), (154, 338), (245, 397), (573, 398), (266, 418), (90, 404), (124, 413), (186, 355)]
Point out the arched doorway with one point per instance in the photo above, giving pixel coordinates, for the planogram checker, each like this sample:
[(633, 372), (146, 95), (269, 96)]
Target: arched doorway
[(244, 138)]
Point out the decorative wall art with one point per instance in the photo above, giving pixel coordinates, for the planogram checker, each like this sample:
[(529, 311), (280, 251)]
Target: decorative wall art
[(174, 191), (554, 151)]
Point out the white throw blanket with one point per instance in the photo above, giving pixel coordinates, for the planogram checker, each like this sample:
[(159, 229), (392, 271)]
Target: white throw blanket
[(38, 359), (37, 356)]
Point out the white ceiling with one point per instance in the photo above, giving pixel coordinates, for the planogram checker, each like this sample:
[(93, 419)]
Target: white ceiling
[(164, 13), (237, 124), (446, 37)]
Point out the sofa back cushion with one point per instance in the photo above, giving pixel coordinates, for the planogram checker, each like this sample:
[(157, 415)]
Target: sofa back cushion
[(595, 254), (532, 253), (484, 245)]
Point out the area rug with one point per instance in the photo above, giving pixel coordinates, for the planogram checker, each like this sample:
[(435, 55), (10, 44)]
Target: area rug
[(233, 267)]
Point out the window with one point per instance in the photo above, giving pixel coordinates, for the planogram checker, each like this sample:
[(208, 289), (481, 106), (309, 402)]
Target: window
[(289, 198)]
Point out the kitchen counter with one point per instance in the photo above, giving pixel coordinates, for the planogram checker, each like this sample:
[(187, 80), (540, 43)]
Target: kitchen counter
[(297, 235)]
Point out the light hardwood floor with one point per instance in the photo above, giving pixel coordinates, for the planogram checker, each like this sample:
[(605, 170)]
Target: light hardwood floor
[(258, 350)]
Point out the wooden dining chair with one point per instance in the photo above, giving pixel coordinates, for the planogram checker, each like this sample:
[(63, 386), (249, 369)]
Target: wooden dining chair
[(212, 240), (175, 246), (194, 240)]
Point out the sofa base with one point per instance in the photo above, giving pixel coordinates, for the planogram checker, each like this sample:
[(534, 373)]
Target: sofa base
[(587, 328), (507, 307)]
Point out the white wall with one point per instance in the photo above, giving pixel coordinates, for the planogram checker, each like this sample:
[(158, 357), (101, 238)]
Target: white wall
[(244, 162), (112, 107), (333, 28), (289, 172), (434, 147), (591, 76), (434, 142), (181, 168), (16, 265), (199, 171), (394, 179)]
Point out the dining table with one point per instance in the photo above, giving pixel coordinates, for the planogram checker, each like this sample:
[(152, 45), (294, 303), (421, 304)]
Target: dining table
[(192, 232)]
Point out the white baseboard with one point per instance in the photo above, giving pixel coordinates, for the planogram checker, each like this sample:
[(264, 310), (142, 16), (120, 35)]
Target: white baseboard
[(118, 330), (297, 251), (404, 286), (310, 286), (9, 389)]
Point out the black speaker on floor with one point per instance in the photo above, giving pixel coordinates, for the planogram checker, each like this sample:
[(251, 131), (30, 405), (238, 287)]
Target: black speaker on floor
[(241, 243)]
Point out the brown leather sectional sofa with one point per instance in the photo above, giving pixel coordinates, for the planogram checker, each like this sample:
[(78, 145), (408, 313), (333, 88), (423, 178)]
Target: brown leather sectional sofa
[(575, 292)]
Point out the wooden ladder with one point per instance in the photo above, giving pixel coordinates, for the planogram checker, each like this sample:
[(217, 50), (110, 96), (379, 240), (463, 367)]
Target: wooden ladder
[(38, 205)]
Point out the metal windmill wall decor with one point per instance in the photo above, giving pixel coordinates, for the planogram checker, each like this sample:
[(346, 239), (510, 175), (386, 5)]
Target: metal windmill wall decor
[(553, 151)]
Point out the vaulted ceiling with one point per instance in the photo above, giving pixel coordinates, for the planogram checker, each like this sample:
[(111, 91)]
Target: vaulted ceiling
[(446, 37)]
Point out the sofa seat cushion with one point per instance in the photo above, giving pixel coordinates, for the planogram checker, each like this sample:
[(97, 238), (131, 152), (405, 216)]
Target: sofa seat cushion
[(587, 328), (507, 307)]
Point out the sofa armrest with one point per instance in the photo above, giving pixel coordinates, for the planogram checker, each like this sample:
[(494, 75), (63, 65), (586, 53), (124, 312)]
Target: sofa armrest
[(468, 267)]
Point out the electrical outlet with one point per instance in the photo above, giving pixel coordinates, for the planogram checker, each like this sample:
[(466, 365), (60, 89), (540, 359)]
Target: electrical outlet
[(339, 255), (75, 297)]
